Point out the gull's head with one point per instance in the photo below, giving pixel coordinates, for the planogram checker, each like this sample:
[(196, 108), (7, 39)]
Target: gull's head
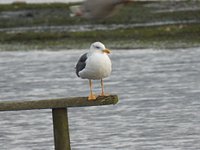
[(99, 47)]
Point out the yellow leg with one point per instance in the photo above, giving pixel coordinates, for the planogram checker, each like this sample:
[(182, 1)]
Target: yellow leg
[(102, 88), (91, 96)]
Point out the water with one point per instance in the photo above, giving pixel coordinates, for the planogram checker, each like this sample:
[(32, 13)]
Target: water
[(91, 27), (159, 106)]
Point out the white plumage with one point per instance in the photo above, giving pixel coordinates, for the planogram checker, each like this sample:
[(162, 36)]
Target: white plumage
[(98, 66), (94, 65)]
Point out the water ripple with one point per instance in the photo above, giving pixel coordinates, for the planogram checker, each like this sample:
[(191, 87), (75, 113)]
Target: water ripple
[(159, 104)]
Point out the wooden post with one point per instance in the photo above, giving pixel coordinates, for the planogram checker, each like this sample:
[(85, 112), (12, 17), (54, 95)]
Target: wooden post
[(57, 103), (61, 129), (59, 113)]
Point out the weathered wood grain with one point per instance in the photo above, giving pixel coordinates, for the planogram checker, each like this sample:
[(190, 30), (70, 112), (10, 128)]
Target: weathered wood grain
[(57, 103)]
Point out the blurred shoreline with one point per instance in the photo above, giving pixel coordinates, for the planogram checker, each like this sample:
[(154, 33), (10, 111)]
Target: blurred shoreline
[(150, 24), (38, 1)]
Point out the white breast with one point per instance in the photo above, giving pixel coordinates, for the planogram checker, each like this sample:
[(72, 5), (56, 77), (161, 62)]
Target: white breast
[(98, 66)]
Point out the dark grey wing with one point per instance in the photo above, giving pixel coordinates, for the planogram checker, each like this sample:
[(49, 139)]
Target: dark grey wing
[(81, 64)]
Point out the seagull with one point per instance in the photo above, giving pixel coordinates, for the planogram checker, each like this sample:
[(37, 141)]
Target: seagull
[(97, 9), (94, 65)]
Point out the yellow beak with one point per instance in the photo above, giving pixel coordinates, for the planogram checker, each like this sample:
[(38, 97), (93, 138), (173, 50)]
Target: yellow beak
[(107, 51)]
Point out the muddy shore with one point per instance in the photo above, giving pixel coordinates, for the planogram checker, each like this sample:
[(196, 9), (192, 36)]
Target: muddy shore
[(139, 25)]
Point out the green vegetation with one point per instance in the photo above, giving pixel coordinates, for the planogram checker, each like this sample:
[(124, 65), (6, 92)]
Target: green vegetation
[(184, 32)]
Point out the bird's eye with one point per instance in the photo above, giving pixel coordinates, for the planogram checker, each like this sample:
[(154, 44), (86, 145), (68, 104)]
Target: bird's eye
[(97, 47)]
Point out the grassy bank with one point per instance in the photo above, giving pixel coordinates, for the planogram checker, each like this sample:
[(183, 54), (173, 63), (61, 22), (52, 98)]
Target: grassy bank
[(184, 32), (170, 36)]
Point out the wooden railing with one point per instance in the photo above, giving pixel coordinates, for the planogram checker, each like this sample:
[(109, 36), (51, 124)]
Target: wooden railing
[(59, 113)]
